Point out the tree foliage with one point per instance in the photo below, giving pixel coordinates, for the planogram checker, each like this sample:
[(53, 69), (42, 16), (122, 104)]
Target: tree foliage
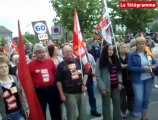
[(154, 27), (136, 20), (27, 38), (89, 12), (30, 38), (3, 41)]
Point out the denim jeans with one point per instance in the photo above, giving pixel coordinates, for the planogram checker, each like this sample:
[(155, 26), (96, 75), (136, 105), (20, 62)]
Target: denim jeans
[(142, 93), (14, 116)]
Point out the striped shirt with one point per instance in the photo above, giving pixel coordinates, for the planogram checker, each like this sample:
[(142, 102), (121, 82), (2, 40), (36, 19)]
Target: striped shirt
[(114, 76)]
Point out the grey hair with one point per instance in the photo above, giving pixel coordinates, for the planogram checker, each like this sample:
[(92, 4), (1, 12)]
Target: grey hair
[(15, 57), (37, 47)]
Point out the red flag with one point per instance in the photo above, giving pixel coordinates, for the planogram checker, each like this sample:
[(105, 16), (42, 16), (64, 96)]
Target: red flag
[(97, 32), (79, 45), (10, 47), (25, 79)]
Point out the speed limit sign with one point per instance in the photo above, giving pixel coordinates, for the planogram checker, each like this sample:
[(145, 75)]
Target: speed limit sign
[(40, 28)]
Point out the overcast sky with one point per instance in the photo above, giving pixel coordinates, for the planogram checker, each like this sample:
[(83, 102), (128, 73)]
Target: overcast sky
[(26, 11)]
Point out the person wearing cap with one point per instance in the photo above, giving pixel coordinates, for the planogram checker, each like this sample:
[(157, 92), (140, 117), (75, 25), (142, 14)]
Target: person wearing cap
[(42, 71), (140, 65)]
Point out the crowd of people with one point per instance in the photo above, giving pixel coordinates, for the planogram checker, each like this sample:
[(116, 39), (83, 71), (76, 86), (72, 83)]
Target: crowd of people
[(124, 74)]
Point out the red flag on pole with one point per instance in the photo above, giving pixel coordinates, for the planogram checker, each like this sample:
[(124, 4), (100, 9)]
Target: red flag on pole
[(79, 45), (25, 79), (97, 32), (10, 47)]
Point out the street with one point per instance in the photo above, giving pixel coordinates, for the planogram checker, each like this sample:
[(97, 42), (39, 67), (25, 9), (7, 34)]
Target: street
[(152, 111)]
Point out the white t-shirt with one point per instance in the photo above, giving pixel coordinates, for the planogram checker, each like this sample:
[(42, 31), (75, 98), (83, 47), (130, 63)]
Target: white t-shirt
[(7, 84)]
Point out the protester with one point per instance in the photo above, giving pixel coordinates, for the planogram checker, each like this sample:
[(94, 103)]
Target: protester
[(13, 65), (32, 56), (132, 46), (140, 66), (13, 103), (90, 84), (127, 97), (109, 82), (127, 37), (90, 87), (42, 71), (150, 43), (72, 85), (54, 54), (155, 37)]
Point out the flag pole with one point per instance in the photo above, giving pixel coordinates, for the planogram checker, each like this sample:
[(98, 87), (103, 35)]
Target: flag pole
[(80, 60), (79, 44), (28, 41)]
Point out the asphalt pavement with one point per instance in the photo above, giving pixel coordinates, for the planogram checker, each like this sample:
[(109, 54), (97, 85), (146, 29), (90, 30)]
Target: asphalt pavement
[(152, 111)]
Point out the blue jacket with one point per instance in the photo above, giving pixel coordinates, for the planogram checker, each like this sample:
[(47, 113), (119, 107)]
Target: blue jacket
[(135, 67)]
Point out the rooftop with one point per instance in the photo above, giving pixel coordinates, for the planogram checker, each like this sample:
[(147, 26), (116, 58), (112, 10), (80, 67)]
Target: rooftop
[(4, 30)]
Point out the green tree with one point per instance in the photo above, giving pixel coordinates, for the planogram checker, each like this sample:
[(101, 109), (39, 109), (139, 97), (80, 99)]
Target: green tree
[(3, 41), (119, 32), (89, 13), (154, 27), (30, 38), (135, 20)]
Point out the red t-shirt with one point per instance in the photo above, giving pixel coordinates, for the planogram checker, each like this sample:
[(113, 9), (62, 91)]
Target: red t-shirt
[(42, 72)]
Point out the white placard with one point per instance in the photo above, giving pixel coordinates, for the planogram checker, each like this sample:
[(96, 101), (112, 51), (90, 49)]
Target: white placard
[(43, 36)]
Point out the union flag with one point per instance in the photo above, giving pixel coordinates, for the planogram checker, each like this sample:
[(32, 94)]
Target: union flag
[(79, 45)]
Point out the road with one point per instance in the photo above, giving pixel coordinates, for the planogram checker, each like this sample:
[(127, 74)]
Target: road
[(152, 111)]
